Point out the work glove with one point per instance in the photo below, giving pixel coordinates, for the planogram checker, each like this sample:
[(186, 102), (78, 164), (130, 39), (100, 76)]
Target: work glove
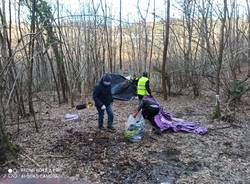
[(103, 107)]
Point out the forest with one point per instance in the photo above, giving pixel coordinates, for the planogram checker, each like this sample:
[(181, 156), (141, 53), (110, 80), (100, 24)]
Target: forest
[(53, 52)]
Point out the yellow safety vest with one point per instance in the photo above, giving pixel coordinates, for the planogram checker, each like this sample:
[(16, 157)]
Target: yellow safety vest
[(141, 86)]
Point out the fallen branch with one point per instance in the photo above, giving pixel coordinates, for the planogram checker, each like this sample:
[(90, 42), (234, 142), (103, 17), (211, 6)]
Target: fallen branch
[(219, 128), (225, 127), (52, 156), (153, 137), (32, 160)]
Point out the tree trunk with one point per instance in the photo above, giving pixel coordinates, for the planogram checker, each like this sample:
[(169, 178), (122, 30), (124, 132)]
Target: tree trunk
[(53, 74), (120, 46), (60, 64), (31, 61), (249, 45), (152, 41), (248, 17), (217, 112), (7, 149), (52, 39), (165, 52)]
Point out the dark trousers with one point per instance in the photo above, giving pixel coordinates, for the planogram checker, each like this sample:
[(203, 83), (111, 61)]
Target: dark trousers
[(140, 97), (101, 116)]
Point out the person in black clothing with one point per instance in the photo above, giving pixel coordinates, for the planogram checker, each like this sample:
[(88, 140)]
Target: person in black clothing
[(103, 101), (149, 110)]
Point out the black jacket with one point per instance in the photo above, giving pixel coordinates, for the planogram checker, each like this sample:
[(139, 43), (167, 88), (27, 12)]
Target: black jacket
[(148, 87), (102, 95), (149, 109)]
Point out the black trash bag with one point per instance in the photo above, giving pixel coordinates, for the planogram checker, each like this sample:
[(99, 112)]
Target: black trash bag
[(81, 106), (122, 88), (149, 109)]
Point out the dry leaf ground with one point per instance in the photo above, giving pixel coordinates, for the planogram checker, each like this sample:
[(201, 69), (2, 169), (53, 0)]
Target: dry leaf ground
[(77, 150)]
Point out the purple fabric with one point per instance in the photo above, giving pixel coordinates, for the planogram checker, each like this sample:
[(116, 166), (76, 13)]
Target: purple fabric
[(166, 121)]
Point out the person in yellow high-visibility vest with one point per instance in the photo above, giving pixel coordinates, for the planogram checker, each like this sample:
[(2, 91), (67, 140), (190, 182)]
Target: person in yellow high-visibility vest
[(143, 88)]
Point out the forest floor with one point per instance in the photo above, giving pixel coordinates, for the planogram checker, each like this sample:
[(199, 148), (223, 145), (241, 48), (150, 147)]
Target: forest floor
[(77, 150)]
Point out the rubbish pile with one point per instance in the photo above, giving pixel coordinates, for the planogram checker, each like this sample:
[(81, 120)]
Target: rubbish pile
[(166, 121)]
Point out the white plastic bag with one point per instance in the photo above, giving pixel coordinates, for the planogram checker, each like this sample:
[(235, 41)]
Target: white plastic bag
[(71, 117), (135, 128)]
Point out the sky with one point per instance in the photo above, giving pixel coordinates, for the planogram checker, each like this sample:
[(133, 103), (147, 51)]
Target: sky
[(129, 7)]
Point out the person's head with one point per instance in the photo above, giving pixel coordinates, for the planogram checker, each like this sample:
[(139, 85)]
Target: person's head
[(106, 80), (145, 74)]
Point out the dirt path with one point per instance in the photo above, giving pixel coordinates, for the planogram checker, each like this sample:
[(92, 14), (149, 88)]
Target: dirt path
[(79, 151)]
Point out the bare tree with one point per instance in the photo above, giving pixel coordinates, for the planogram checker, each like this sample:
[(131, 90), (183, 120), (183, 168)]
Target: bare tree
[(165, 52), (120, 46), (7, 149), (152, 40), (217, 112), (31, 56), (248, 16), (144, 25)]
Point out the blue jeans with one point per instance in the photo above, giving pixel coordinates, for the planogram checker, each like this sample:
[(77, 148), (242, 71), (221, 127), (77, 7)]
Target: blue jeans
[(101, 116)]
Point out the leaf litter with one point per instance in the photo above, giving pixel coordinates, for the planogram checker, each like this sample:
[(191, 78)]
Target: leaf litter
[(80, 151)]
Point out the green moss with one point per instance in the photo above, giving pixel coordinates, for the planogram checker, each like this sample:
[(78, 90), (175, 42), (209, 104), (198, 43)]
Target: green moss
[(10, 145), (8, 150), (2, 159)]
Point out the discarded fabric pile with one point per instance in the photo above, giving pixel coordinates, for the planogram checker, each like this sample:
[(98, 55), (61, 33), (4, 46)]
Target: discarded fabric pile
[(165, 121)]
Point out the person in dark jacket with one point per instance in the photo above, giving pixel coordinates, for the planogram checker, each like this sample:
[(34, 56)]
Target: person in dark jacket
[(149, 109), (103, 101)]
